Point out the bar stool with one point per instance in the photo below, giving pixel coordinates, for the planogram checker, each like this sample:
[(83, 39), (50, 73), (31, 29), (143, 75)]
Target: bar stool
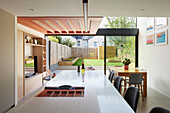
[(132, 97), (135, 79), (112, 76), (117, 83), (159, 110), (110, 73)]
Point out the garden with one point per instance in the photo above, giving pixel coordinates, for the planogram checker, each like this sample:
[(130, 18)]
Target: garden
[(96, 62)]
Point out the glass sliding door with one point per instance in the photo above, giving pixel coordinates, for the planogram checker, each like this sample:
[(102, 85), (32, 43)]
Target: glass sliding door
[(117, 49)]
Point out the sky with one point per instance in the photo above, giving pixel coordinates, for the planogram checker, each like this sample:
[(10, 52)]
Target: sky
[(104, 21)]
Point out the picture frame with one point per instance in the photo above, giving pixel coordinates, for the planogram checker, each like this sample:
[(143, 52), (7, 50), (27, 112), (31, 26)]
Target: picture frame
[(161, 22), (150, 24), (161, 38), (150, 39)]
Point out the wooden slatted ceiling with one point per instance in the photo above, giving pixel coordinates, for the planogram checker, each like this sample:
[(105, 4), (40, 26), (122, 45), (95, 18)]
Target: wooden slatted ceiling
[(61, 25)]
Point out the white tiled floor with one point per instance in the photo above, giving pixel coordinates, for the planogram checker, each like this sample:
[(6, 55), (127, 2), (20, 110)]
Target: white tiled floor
[(154, 99)]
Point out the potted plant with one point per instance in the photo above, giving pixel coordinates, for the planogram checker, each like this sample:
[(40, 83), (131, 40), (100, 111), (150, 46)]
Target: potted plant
[(126, 63)]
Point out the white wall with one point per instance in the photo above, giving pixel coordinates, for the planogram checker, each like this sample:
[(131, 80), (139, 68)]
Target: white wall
[(28, 51), (7, 68), (155, 59), (20, 63)]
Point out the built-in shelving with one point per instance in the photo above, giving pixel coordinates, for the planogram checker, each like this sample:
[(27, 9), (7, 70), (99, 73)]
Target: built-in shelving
[(44, 55), (30, 44), (37, 47)]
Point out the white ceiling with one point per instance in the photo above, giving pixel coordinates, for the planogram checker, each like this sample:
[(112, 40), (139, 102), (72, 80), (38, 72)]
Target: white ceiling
[(95, 7)]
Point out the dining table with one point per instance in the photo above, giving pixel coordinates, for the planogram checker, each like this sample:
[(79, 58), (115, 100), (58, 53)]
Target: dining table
[(98, 95), (120, 71)]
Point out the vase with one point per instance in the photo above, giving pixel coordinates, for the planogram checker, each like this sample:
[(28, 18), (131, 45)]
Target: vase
[(126, 67)]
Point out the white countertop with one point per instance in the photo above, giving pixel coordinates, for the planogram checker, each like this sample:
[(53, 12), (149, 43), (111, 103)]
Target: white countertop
[(100, 96)]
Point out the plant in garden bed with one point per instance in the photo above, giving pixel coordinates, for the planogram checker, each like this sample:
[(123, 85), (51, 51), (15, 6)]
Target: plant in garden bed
[(69, 59), (115, 59)]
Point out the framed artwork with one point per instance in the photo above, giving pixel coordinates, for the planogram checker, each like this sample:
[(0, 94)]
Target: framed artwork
[(161, 38), (150, 40), (161, 22), (150, 24)]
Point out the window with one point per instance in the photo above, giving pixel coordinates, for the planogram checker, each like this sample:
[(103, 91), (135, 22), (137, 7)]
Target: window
[(102, 43), (95, 44), (85, 44), (78, 43)]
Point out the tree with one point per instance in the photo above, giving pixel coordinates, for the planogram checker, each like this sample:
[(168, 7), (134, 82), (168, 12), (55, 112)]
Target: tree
[(68, 42), (52, 38), (121, 22), (59, 39), (126, 45)]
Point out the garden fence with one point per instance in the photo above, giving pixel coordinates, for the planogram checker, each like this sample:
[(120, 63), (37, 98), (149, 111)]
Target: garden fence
[(58, 52), (87, 53), (110, 52)]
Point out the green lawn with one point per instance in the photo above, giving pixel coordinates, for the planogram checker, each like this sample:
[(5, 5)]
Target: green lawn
[(29, 65), (95, 62)]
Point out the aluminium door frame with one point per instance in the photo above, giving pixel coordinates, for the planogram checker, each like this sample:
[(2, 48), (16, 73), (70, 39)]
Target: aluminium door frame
[(111, 32), (120, 32)]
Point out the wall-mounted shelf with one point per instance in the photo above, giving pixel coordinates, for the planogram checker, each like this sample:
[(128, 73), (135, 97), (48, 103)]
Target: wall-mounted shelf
[(30, 44)]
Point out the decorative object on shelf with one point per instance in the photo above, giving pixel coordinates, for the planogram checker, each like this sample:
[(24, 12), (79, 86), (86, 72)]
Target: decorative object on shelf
[(150, 24), (161, 22), (35, 41), (32, 41), (26, 39), (38, 42), (126, 63), (29, 41), (150, 40), (161, 38)]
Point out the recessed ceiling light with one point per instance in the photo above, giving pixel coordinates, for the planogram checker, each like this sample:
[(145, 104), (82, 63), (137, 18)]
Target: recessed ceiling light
[(31, 9), (141, 10)]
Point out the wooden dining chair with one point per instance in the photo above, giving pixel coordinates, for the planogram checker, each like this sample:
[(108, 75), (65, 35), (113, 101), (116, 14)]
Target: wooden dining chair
[(135, 79), (159, 110), (132, 97)]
